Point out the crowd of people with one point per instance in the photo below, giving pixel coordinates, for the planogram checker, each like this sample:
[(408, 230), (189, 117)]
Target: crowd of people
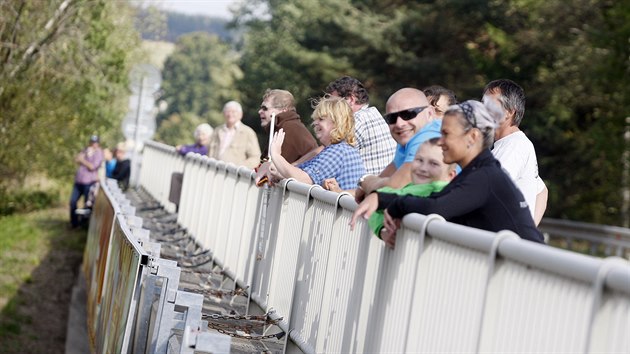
[(468, 162)]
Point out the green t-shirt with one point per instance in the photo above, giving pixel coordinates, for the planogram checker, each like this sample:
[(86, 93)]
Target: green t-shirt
[(419, 190)]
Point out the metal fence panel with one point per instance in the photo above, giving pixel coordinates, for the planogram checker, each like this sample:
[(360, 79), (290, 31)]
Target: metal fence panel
[(294, 217), (447, 298), (266, 234), (530, 310), (444, 288), (121, 281), (343, 288)]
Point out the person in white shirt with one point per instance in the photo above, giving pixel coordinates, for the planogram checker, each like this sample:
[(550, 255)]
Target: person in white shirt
[(512, 147)]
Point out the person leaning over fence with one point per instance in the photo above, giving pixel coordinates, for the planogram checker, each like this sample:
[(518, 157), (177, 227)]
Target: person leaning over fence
[(412, 121), (440, 98), (122, 170), (234, 141), (299, 142), (89, 161), (512, 147), (374, 141), (482, 196), (202, 136), (429, 174), (333, 124)]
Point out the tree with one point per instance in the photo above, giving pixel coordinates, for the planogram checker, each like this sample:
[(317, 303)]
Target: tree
[(63, 76), (571, 61), (178, 129), (199, 77)]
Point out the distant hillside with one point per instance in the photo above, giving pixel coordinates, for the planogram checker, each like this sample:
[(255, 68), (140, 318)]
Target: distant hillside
[(178, 24)]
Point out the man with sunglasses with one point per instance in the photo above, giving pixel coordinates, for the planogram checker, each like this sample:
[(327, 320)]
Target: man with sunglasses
[(299, 143), (411, 121), (374, 141)]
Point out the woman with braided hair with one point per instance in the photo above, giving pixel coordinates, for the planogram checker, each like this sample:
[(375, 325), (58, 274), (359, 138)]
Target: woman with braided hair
[(481, 196)]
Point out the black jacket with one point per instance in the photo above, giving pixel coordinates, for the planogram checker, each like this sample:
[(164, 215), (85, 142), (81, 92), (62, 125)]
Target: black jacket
[(121, 173), (298, 141), (481, 196)]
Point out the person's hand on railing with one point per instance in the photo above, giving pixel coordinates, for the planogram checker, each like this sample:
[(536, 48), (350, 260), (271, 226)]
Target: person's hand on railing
[(390, 227), (262, 174), (267, 173), (365, 209), (332, 185), (274, 175)]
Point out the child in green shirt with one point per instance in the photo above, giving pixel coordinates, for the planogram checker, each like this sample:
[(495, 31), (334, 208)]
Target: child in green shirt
[(429, 174)]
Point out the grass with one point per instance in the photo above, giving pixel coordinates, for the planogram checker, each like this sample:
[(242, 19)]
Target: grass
[(26, 240), (22, 244)]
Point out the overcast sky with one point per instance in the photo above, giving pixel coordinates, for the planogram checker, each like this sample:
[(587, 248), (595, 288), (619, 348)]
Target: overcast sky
[(218, 8)]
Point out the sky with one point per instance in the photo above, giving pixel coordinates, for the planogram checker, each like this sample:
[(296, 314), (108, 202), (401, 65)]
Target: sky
[(218, 8)]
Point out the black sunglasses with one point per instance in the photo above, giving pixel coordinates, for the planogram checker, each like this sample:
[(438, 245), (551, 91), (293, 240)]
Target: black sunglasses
[(405, 114)]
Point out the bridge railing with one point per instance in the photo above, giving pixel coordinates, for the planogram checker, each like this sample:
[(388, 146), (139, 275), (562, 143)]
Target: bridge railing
[(589, 238), (133, 301), (445, 287)]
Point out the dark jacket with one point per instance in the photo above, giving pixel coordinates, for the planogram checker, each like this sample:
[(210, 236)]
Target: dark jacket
[(121, 173), (297, 140), (481, 196)]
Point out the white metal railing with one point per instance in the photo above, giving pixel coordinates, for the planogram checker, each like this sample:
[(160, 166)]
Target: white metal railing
[(597, 239), (444, 288), (133, 303)]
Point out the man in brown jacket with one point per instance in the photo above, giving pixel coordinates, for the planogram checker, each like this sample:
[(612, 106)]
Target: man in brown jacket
[(234, 141), (298, 141)]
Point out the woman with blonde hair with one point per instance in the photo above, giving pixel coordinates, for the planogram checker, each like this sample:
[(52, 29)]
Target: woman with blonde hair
[(333, 124)]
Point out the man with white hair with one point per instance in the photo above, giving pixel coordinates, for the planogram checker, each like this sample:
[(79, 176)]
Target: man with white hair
[(234, 141)]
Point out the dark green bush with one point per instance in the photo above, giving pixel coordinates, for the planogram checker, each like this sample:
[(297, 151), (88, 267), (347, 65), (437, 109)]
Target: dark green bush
[(22, 201)]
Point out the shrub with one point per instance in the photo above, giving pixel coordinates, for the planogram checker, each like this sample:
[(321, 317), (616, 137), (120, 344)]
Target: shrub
[(23, 201)]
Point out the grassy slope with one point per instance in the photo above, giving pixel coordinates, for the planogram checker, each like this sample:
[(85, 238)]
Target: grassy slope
[(39, 259)]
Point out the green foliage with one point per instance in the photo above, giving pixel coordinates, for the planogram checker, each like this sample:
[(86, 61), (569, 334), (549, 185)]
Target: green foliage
[(22, 201), (151, 22), (572, 61), (178, 129), (63, 76), (34, 248), (199, 77)]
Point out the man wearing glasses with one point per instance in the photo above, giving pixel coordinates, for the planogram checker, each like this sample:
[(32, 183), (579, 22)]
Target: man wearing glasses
[(298, 141), (412, 121)]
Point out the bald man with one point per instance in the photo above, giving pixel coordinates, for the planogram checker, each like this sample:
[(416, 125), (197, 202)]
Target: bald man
[(412, 121)]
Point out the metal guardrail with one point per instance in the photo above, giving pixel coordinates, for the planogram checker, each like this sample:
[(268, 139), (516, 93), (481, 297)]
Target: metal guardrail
[(444, 288), (596, 240), (133, 301)]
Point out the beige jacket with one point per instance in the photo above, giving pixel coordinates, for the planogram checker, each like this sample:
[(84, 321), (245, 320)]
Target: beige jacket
[(242, 151)]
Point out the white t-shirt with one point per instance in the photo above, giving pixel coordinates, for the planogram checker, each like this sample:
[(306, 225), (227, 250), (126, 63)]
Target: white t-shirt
[(518, 158)]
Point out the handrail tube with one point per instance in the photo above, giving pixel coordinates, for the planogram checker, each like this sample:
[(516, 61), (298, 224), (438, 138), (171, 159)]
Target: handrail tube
[(303, 232)]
